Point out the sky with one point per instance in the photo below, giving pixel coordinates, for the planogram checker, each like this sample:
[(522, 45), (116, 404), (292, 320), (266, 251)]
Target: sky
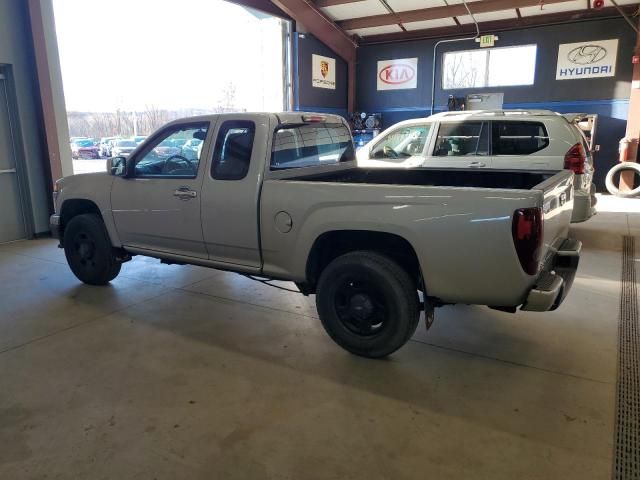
[(173, 54)]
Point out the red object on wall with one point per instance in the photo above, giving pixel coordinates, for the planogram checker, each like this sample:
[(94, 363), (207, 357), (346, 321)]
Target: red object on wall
[(635, 59), (598, 4)]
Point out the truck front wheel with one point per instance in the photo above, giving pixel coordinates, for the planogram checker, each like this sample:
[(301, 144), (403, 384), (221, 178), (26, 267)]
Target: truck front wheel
[(368, 304), (88, 250)]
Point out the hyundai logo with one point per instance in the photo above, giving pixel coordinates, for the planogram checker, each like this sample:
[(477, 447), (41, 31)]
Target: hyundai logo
[(587, 54)]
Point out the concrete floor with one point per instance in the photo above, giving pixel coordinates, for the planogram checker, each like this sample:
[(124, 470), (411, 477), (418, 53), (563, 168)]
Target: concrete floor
[(179, 372)]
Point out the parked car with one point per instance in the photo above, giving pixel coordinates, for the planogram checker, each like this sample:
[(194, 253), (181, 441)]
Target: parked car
[(139, 139), (167, 148), (122, 148), (537, 140), (84, 149), (105, 146), (281, 197)]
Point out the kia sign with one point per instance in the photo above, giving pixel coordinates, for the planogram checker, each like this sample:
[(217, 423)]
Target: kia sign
[(397, 74), (323, 72), (587, 60)]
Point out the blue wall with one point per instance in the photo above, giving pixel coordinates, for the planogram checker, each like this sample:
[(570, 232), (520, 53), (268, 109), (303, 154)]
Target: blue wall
[(310, 98), (607, 97)]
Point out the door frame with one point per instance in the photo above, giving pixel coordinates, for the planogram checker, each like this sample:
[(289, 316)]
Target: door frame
[(6, 78)]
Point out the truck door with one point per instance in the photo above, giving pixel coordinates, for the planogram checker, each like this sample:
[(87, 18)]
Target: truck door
[(157, 207), (231, 190)]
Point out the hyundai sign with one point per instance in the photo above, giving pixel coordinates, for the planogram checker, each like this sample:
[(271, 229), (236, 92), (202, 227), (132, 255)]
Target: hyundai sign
[(397, 74), (587, 60)]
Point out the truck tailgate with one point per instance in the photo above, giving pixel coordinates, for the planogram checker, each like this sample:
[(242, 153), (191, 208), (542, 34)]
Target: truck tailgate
[(557, 208)]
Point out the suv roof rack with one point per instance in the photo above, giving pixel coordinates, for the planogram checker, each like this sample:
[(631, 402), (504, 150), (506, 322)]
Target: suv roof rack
[(496, 113)]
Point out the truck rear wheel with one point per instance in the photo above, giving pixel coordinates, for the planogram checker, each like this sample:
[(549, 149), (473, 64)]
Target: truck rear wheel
[(88, 250), (368, 304)]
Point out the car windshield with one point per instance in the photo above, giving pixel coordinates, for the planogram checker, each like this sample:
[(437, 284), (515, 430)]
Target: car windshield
[(311, 145), (84, 143), (126, 143)]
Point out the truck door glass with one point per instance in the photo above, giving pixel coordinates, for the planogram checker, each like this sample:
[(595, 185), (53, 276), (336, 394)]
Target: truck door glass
[(311, 145), (518, 138), (401, 143), (232, 155), (174, 153), (462, 139)]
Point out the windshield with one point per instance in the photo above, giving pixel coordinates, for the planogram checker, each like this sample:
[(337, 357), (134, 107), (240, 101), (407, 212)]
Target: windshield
[(311, 145), (84, 143), (126, 143)]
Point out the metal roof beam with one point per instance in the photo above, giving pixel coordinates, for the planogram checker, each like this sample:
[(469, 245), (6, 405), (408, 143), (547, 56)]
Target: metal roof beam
[(498, 25), (333, 3), (320, 26), (436, 13)]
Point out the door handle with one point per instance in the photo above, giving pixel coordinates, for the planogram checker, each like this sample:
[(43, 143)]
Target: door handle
[(477, 164), (185, 193)]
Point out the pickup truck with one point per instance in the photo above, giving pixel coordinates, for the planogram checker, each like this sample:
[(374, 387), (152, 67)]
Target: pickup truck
[(280, 197)]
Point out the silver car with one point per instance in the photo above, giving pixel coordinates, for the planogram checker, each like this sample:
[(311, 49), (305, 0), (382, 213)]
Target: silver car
[(534, 140)]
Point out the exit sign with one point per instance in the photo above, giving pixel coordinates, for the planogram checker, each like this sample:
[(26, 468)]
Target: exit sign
[(488, 40)]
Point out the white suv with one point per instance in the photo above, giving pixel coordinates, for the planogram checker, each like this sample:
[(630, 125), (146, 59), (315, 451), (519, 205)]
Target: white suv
[(493, 139)]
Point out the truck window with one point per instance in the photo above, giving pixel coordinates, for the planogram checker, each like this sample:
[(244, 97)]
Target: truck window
[(518, 138), (461, 139), (164, 157), (403, 142), (232, 155), (311, 145)]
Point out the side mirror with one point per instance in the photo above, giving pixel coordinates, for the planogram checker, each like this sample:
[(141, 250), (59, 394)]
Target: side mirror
[(117, 166)]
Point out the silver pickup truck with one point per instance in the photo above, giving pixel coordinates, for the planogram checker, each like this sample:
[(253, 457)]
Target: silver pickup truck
[(279, 196)]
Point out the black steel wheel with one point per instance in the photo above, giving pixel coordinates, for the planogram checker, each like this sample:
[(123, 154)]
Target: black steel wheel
[(368, 304), (88, 250)]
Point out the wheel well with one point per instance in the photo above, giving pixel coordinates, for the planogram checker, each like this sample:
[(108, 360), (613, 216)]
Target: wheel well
[(73, 207), (331, 245)]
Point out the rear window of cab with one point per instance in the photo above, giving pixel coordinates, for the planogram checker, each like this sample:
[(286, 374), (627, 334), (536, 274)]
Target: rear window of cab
[(311, 145)]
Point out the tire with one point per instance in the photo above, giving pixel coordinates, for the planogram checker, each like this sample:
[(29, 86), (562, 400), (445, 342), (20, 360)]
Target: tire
[(613, 189), (88, 250), (360, 288)]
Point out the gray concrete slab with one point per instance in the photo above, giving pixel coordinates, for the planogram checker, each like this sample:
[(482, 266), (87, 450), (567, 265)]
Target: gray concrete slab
[(184, 372)]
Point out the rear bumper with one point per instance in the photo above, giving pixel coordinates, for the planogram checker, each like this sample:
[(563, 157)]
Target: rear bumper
[(556, 278), (584, 203), (54, 225)]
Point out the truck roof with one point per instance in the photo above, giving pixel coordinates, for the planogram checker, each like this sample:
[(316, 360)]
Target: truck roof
[(283, 117)]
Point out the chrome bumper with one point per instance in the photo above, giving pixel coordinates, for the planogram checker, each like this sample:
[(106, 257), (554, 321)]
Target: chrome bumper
[(556, 279)]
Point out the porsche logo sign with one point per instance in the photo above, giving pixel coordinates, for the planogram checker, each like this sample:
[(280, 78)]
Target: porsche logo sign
[(397, 74), (323, 72), (324, 68)]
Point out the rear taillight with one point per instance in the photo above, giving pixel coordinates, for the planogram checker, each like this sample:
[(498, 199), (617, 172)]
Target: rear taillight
[(527, 231), (575, 159)]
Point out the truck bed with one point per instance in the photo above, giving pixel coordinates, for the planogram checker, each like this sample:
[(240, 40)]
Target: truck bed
[(503, 179), (459, 222)]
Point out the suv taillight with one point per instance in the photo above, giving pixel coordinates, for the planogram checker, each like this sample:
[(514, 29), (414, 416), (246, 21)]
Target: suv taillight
[(527, 231), (575, 159)]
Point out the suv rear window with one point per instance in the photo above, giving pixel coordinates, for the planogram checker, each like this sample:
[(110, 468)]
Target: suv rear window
[(518, 138), (311, 145)]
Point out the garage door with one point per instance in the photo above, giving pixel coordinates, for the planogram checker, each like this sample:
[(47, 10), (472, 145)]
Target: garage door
[(12, 225)]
